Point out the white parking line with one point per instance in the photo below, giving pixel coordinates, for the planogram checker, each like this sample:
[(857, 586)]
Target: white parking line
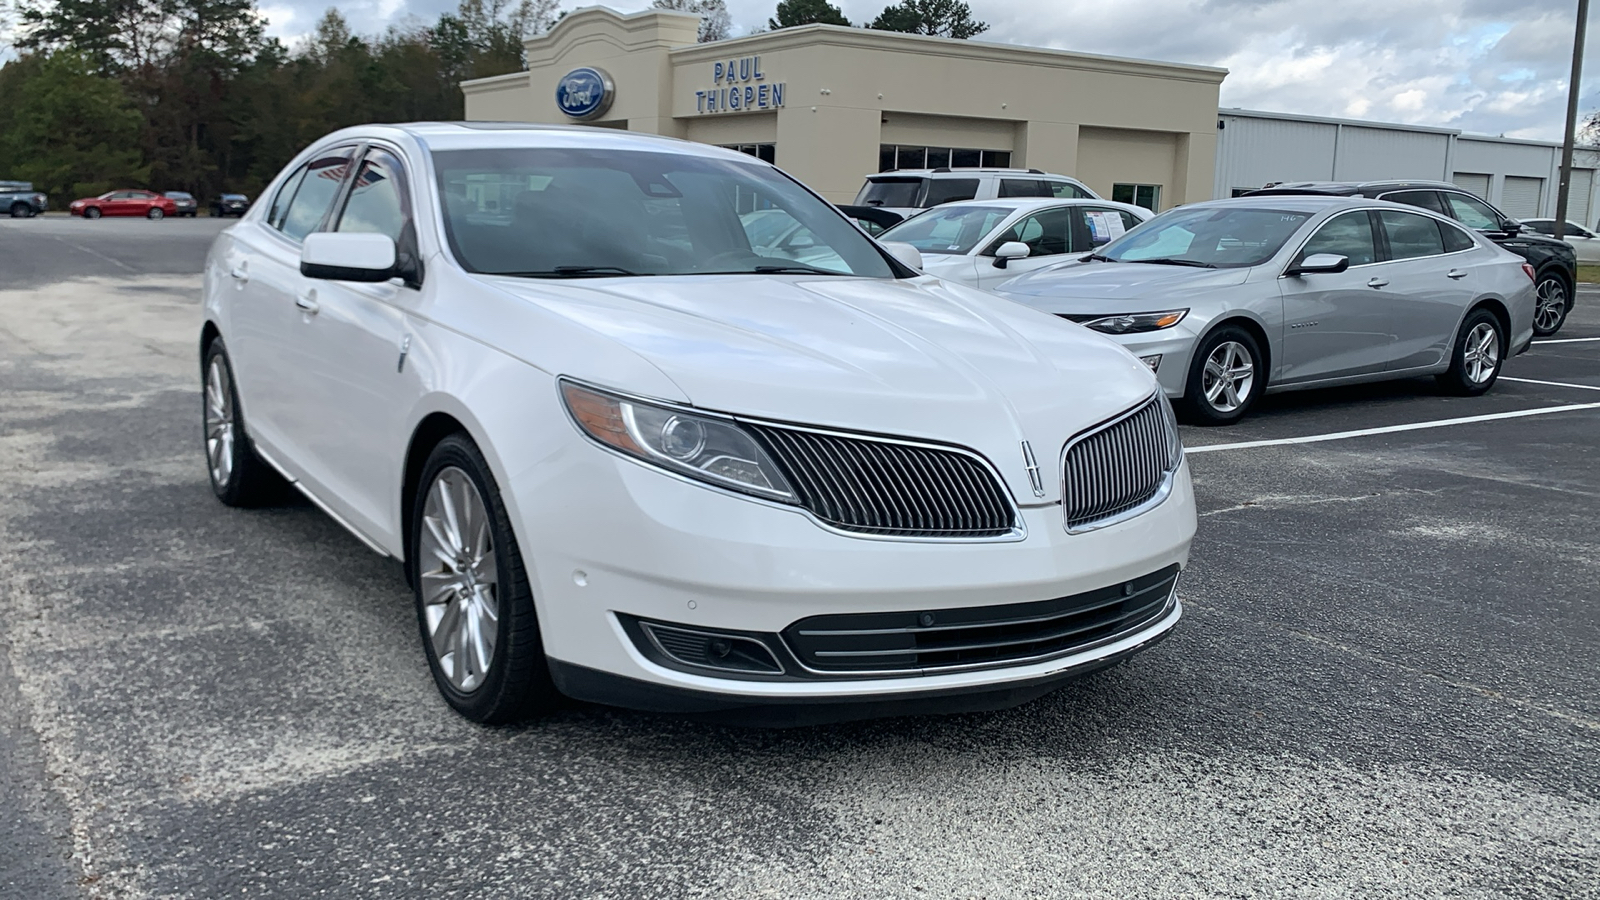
[(1581, 387), (1390, 429), (1565, 341)]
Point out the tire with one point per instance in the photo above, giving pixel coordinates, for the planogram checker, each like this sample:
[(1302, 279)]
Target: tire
[(21, 211), (1477, 355), (451, 597), (1237, 351), (92, 212), (1552, 302), (155, 214), (238, 476)]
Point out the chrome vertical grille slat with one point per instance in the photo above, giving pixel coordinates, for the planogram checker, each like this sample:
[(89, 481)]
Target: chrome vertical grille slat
[(888, 487), (1118, 466)]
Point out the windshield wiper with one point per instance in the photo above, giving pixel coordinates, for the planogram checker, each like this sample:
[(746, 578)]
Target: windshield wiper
[(1101, 258), (1169, 261), (571, 272), (793, 268)]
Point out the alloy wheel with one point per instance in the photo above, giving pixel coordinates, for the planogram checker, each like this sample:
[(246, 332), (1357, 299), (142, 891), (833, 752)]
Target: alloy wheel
[(1550, 305), (1230, 375), (1481, 356), (459, 579), (219, 422)]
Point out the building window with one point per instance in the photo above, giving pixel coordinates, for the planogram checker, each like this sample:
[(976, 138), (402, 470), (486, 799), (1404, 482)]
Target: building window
[(900, 156), (763, 152), (1145, 195)]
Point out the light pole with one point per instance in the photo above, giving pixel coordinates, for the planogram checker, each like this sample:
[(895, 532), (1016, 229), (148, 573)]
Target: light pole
[(1572, 118)]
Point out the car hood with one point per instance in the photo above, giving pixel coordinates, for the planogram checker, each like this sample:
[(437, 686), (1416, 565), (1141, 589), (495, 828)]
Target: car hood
[(914, 357), (1093, 287)]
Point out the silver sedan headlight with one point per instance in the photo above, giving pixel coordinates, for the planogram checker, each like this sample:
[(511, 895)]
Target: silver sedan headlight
[(707, 448), (1135, 323)]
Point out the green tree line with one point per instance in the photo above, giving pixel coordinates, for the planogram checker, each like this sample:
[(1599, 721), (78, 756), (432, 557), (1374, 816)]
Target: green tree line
[(192, 95)]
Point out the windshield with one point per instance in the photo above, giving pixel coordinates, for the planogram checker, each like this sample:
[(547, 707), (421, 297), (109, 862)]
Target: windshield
[(1221, 237), (948, 230), (572, 213), (890, 192)]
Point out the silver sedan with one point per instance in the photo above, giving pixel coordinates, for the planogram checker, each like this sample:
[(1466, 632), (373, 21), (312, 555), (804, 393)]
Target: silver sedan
[(1231, 299)]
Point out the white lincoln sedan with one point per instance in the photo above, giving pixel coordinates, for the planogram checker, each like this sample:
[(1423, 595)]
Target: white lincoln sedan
[(630, 455)]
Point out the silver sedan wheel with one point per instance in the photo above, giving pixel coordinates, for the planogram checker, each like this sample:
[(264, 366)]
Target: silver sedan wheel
[(1481, 356), (1550, 305), (219, 422), (1229, 376), (459, 579)]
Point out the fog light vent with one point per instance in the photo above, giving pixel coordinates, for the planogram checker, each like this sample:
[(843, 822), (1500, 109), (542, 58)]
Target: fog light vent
[(712, 650)]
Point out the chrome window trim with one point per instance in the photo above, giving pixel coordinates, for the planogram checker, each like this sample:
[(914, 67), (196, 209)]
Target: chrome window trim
[(1018, 532), (1163, 490)]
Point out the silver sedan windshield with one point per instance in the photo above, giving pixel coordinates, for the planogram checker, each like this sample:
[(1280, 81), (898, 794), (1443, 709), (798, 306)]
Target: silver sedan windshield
[(1209, 237), (576, 213), (951, 230)]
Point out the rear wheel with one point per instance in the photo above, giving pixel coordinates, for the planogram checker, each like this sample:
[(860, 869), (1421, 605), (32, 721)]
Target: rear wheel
[(1551, 304), (238, 476), (92, 212), (1225, 378), (474, 604), (1480, 350), (155, 213), (21, 210)]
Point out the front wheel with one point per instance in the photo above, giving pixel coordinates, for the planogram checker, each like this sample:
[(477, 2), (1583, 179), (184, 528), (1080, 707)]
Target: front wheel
[(92, 212), (474, 605), (155, 213), (1550, 304), (21, 210), (1225, 378), (1478, 354)]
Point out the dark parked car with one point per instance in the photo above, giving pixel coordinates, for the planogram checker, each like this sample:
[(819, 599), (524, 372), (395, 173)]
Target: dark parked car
[(20, 199), (230, 205), (187, 206), (1555, 264)]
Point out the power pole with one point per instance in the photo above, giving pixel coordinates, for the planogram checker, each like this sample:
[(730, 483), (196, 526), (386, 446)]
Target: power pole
[(1572, 118)]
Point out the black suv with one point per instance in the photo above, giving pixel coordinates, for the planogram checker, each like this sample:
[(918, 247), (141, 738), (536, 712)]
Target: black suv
[(1555, 263)]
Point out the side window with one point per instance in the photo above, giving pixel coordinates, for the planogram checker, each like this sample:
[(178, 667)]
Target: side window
[(1024, 187), (1348, 235), (1455, 239), (1046, 233), (1424, 199), (122, 195), (1104, 225), (379, 200), (1472, 212), (949, 190), (315, 186), (1539, 227), (1068, 190), (1411, 236)]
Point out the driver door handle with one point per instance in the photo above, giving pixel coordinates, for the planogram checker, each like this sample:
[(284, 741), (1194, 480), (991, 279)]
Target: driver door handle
[(1455, 273), (1378, 282), (240, 272), (308, 302)]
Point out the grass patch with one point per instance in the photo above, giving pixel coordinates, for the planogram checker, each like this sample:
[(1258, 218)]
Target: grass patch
[(1589, 273)]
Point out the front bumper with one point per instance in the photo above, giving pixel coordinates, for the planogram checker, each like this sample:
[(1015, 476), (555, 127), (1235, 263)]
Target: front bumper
[(604, 536), (1174, 345)]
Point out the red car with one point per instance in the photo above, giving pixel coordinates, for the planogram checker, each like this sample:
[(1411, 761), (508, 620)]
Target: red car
[(149, 204)]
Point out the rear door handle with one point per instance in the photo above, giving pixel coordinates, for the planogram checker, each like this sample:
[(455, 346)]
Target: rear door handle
[(1377, 282), (1455, 273), (240, 272), (308, 302)]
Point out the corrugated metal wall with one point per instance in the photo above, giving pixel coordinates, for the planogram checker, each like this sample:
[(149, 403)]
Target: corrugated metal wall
[(1475, 184), (1520, 198), (1371, 154), (1253, 152), (1578, 195)]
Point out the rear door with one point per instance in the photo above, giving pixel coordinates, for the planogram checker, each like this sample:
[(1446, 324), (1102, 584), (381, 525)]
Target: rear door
[(1337, 324), (1430, 282)]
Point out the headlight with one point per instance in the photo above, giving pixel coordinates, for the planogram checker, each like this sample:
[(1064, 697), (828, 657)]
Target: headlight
[(1137, 322), (707, 448), (1174, 440)]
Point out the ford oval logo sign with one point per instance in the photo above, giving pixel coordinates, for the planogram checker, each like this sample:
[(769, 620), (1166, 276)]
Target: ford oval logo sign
[(584, 93)]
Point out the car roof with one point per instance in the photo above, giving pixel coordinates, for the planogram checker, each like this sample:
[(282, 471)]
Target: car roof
[(516, 135), (1293, 202), (1027, 203), (966, 170), (1348, 188)]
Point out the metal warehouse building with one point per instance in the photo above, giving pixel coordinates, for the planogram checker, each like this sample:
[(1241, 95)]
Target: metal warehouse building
[(1521, 177)]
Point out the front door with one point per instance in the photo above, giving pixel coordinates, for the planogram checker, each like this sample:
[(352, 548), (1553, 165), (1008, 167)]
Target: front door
[(1048, 234), (1338, 324)]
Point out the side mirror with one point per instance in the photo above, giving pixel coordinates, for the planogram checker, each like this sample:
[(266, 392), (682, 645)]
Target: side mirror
[(338, 256), (905, 253), (1008, 251), (1321, 264), (1511, 227)]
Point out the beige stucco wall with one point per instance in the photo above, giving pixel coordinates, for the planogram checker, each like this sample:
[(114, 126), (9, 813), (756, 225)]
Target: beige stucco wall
[(848, 90)]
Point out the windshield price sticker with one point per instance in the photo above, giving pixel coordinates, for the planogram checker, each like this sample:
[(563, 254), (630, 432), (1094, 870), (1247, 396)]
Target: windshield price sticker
[(741, 86)]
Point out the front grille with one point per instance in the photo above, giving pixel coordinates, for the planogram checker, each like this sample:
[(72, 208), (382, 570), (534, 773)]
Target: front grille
[(890, 488), (1118, 467), (985, 635)]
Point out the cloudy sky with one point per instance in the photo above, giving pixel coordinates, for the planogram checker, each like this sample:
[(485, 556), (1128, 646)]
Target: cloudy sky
[(1489, 66)]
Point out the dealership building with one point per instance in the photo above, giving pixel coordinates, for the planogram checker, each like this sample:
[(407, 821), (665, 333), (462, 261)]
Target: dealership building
[(830, 104)]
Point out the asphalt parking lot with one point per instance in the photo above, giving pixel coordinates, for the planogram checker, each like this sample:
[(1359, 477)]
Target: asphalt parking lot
[(1387, 683)]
